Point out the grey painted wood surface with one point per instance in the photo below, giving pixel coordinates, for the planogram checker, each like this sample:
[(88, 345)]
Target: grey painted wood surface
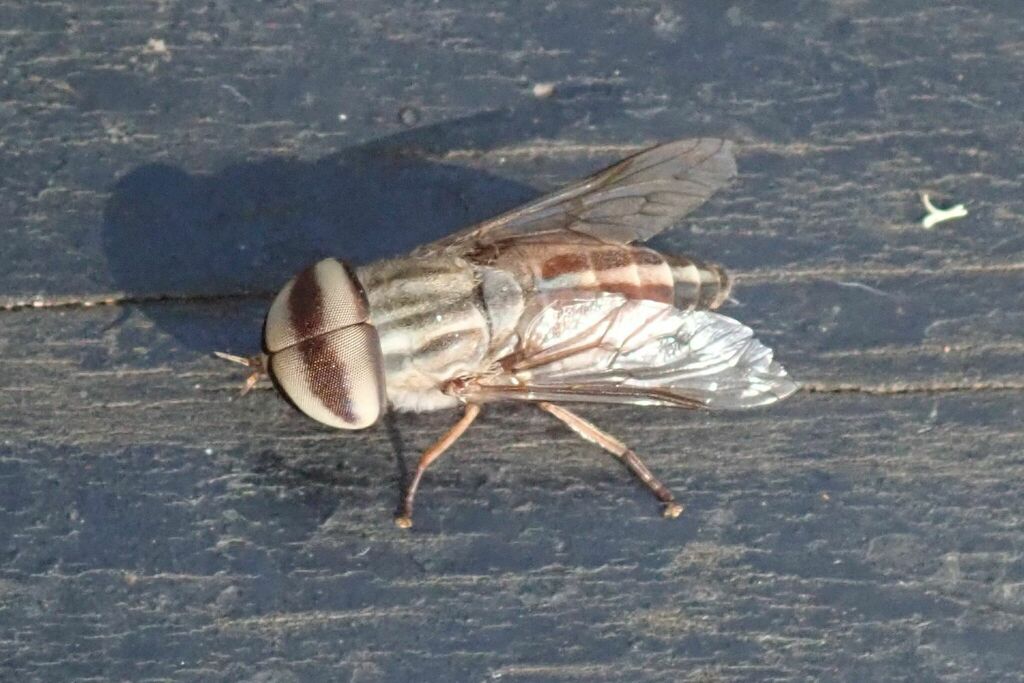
[(168, 166)]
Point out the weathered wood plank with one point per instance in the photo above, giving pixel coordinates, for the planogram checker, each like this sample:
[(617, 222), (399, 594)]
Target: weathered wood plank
[(154, 529), (213, 147), (902, 333), (164, 231)]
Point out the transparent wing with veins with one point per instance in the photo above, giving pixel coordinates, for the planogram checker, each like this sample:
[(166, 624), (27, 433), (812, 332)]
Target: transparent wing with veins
[(611, 349), (629, 201)]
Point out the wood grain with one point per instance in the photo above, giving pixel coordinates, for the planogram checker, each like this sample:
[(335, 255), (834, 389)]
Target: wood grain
[(168, 165)]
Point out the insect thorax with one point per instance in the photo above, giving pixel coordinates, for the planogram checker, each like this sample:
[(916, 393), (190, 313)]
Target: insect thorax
[(439, 318)]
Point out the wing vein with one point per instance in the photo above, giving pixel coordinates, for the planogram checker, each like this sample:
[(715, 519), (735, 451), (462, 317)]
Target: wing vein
[(613, 205)]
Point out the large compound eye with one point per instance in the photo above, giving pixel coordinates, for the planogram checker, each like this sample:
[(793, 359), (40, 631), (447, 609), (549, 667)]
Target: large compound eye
[(335, 378), (323, 354), (322, 298)]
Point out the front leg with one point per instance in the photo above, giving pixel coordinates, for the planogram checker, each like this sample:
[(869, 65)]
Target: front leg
[(404, 517)]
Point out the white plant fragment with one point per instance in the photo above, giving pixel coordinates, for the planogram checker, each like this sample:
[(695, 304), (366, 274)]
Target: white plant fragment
[(936, 215)]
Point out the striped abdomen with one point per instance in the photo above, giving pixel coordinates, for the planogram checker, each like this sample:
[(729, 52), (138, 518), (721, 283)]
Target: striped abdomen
[(634, 272)]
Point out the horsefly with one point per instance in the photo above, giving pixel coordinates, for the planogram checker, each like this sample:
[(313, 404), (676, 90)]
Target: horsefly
[(549, 303)]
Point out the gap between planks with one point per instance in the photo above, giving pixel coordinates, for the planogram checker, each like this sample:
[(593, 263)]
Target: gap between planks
[(904, 388), (776, 276), (573, 150), (886, 389)]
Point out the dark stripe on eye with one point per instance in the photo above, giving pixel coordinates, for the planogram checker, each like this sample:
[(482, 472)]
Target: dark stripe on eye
[(305, 304), (324, 372), (328, 377)]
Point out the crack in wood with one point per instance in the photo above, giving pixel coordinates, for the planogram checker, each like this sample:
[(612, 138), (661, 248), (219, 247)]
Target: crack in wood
[(776, 276), (766, 276), (892, 389), (569, 150), (113, 300), (901, 388)]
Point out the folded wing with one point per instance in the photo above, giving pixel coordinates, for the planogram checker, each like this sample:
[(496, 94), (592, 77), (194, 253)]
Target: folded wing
[(632, 200), (612, 349)]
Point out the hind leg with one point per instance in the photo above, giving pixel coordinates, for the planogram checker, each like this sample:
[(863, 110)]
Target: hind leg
[(629, 458)]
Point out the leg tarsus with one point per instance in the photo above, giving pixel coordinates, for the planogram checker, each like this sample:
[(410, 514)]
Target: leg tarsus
[(404, 517), (672, 510), (629, 458)]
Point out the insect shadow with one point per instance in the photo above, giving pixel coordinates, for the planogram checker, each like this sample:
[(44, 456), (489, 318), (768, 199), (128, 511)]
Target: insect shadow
[(218, 246), (232, 238)]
